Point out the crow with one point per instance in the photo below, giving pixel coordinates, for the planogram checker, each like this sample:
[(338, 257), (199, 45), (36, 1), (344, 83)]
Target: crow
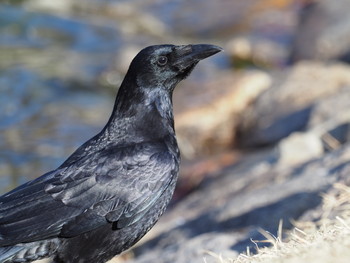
[(111, 191)]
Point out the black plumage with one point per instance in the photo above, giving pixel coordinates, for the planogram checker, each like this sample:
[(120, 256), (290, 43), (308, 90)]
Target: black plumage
[(114, 187)]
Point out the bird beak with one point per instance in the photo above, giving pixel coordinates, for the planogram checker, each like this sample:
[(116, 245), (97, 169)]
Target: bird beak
[(189, 55)]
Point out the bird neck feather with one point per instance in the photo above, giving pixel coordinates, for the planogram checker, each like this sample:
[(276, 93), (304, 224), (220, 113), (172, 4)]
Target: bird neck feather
[(147, 110)]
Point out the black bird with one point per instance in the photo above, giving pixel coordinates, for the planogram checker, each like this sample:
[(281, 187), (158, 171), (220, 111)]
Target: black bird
[(111, 191)]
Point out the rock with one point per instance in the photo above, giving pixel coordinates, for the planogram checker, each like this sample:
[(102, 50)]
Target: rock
[(299, 147), (293, 101), (252, 51), (323, 112), (194, 172), (206, 114), (62, 7), (323, 32), (226, 213), (333, 129)]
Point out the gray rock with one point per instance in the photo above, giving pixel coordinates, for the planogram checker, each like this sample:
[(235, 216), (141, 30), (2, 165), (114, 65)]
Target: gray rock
[(296, 101), (300, 147), (324, 31), (207, 113)]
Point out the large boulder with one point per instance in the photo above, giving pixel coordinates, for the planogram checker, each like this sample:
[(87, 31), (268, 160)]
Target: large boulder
[(323, 32), (300, 97), (207, 114)]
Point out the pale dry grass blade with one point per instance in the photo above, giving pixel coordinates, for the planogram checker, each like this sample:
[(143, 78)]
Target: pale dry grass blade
[(324, 241)]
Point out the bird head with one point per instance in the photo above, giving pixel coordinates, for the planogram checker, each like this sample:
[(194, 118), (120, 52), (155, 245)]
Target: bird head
[(166, 65)]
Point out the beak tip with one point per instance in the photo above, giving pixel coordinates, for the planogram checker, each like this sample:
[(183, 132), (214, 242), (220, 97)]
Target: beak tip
[(218, 48), (207, 50)]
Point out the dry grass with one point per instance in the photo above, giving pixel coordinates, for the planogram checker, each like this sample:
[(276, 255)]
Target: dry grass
[(327, 240)]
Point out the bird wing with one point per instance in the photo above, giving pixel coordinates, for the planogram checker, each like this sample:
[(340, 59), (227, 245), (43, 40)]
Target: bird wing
[(118, 185)]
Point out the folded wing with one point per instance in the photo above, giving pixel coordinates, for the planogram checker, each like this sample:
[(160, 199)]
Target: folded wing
[(116, 185)]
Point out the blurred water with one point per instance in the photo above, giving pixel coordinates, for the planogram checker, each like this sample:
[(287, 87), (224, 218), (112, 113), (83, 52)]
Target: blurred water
[(42, 122), (31, 29), (48, 99)]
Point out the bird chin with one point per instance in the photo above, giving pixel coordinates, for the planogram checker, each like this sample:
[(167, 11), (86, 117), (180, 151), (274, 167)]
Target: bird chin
[(187, 71)]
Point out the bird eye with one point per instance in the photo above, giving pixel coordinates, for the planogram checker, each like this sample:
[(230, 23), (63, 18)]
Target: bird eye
[(162, 61)]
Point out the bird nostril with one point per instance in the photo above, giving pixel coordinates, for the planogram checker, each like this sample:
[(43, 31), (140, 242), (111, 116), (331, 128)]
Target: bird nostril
[(183, 50)]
